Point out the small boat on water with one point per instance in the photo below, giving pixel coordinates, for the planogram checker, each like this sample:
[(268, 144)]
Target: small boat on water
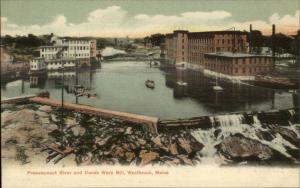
[(181, 83), (80, 91), (217, 88), (150, 84)]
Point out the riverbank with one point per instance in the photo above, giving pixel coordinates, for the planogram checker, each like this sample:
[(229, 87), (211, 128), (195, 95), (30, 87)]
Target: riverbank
[(32, 134)]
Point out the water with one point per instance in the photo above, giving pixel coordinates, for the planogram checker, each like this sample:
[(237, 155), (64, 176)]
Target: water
[(228, 125), (120, 86)]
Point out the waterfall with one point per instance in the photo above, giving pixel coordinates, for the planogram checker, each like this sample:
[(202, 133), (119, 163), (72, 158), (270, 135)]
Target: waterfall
[(229, 120), (292, 113), (207, 138), (227, 125)]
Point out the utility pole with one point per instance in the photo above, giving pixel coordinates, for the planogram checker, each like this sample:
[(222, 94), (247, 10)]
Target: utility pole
[(76, 74), (60, 56)]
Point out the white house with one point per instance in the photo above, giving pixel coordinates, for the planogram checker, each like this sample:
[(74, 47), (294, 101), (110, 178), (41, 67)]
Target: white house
[(67, 50), (37, 64), (55, 64)]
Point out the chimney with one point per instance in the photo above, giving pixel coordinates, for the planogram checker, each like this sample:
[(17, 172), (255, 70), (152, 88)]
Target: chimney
[(273, 44), (250, 40)]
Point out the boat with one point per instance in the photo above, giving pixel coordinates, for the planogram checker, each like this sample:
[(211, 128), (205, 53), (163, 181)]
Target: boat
[(80, 91), (217, 88), (181, 83), (150, 84)]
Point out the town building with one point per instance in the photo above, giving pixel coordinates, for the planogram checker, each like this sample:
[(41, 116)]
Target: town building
[(238, 65), (6, 58), (72, 51), (93, 48), (38, 64), (224, 52), (190, 47), (9, 64)]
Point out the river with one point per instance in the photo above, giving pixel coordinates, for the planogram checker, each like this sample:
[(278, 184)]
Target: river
[(121, 86)]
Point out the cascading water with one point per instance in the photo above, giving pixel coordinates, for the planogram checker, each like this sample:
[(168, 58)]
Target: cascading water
[(210, 138), (227, 125)]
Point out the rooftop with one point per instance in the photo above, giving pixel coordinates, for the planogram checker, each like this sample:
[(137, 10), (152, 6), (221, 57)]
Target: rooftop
[(234, 55), (56, 46), (211, 33)]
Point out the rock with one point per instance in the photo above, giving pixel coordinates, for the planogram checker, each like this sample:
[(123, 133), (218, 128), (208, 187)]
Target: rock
[(170, 161), (141, 141), (217, 132), (157, 141), (56, 134), (132, 146), (184, 144), (264, 135), (240, 148), (42, 114), (129, 156), (54, 118), (119, 152), (147, 157), (45, 108), (45, 121), (78, 131), (185, 159), (51, 126), (125, 146), (173, 149), (129, 130), (288, 135), (196, 146), (24, 115), (70, 122)]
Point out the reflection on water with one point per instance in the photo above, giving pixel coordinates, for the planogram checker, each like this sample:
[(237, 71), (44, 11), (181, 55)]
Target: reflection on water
[(178, 92)]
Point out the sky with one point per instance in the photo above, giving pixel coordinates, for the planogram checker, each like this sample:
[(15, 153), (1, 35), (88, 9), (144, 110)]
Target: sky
[(139, 18)]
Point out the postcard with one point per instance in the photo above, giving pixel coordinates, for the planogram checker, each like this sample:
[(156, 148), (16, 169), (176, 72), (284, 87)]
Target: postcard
[(150, 93)]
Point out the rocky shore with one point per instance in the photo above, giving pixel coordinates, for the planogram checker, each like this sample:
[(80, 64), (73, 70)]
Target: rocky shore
[(32, 132)]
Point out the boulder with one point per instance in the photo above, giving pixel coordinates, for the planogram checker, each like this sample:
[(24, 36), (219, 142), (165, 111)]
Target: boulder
[(264, 135), (288, 135), (141, 141), (240, 148), (129, 156), (50, 126), (157, 141), (185, 144), (70, 122), (78, 131), (42, 114), (173, 149), (45, 108), (185, 159), (119, 152), (147, 157), (129, 130), (24, 115), (54, 118)]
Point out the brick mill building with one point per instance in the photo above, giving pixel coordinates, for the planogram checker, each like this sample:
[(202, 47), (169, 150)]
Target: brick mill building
[(203, 50), (239, 65)]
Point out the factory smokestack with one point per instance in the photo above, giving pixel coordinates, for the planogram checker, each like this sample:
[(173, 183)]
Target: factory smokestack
[(273, 44), (250, 39)]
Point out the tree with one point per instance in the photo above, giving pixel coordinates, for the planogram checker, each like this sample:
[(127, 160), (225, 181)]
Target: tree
[(257, 40), (155, 39), (281, 42)]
